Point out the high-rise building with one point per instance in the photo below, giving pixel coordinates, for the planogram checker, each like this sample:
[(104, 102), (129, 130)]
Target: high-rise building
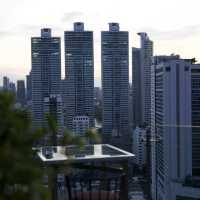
[(53, 106), (139, 146), (142, 81), (79, 74), (136, 86), (171, 132), (28, 87), (196, 120), (80, 125), (8, 86), (64, 96), (45, 72), (12, 87), (21, 92), (115, 85), (5, 83)]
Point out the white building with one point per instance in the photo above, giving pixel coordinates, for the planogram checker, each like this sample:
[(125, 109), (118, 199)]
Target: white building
[(139, 146), (171, 129), (80, 125)]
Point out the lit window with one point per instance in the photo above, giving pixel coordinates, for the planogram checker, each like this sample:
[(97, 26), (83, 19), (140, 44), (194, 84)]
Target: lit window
[(68, 54)]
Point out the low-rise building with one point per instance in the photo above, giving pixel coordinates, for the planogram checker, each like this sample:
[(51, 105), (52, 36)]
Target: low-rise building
[(80, 125)]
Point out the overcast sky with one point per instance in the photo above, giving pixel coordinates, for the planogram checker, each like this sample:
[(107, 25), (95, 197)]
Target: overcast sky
[(173, 25)]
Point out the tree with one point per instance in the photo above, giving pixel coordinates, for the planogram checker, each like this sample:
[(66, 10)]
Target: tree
[(20, 174)]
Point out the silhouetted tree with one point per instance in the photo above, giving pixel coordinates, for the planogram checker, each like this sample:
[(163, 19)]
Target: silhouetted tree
[(20, 174)]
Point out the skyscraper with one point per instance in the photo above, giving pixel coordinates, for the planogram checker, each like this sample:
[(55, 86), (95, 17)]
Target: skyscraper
[(79, 74), (12, 87), (115, 84), (142, 80), (80, 125), (21, 92), (196, 120), (45, 73), (171, 120), (28, 87), (136, 86), (5, 83), (139, 147)]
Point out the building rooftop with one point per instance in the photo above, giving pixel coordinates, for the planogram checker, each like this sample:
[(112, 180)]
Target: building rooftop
[(96, 152)]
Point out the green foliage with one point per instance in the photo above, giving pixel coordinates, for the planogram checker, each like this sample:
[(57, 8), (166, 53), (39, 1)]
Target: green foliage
[(20, 174), (52, 129), (52, 125), (93, 136)]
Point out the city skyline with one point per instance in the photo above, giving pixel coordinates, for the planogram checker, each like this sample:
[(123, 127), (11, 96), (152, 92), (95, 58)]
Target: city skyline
[(179, 34), (110, 92)]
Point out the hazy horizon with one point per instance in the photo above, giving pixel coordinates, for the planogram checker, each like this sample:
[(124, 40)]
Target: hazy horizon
[(173, 26)]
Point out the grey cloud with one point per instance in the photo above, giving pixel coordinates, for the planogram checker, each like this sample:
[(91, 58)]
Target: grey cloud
[(16, 30), (34, 28), (4, 33), (182, 33), (25, 28), (70, 16)]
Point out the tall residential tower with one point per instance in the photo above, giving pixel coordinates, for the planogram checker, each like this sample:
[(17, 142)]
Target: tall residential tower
[(45, 73), (28, 87), (79, 74), (136, 87), (115, 84), (141, 80), (21, 92)]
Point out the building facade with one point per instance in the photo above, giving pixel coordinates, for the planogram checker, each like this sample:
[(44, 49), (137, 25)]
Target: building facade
[(28, 87), (171, 132), (196, 120), (45, 72), (21, 92), (141, 79), (115, 84), (80, 125), (12, 87), (5, 83), (136, 87), (8, 85), (53, 106), (139, 146), (79, 74)]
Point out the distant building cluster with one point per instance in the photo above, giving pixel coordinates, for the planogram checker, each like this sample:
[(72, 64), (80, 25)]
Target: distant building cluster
[(79, 97), (157, 117)]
